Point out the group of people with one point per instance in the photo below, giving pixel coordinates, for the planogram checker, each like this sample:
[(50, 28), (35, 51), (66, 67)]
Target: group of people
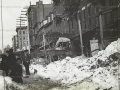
[(11, 64)]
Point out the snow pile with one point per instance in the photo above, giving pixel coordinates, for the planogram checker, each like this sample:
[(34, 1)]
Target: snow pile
[(7, 84), (112, 48), (38, 61), (100, 69)]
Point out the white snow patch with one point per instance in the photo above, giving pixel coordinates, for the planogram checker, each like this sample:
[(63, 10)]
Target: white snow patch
[(71, 70)]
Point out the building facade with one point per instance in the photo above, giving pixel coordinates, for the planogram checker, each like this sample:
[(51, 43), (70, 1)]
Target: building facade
[(31, 14), (88, 20), (79, 20), (22, 37), (36, 20)]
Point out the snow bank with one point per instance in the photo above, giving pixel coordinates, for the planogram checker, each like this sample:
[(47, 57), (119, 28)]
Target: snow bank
[(99, 69), (36, 64), (7, 84), (112, 48)]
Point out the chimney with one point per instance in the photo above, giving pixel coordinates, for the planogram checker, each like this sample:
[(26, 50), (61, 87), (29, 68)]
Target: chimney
[(30, 3)]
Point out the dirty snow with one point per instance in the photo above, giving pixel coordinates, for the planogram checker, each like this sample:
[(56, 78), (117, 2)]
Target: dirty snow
[(99, 69), (6, 83)]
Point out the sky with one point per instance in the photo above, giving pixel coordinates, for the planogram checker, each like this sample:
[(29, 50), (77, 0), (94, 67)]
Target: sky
[(11, 10)]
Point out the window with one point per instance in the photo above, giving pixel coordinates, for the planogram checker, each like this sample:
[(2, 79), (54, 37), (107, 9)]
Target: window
[(105, 19), (85, 25), (89, 11), (115, 14), (80, 16), (23, 37), (69, 26), (20, 38), (97, 21), (89, 22), (23, 32), (83, 9), (24, 43), (96, 9), (84, 14), (19, 32), (72, 23)]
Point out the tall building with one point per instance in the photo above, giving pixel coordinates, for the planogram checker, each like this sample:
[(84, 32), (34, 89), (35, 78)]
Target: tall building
[(14, 43), (31, 21), (36, 19), (36, 15), (22, 37)]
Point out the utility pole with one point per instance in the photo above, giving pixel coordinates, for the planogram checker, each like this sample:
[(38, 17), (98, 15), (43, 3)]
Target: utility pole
[(44, 33), (80, 32), (44, 42), (2, 28), (2, 37), (101, 30)]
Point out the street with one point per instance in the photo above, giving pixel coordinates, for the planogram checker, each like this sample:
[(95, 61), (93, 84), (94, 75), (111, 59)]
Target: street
[(35, 82)]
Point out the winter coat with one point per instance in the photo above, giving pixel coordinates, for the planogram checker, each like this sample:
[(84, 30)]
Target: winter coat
[(16, 73)]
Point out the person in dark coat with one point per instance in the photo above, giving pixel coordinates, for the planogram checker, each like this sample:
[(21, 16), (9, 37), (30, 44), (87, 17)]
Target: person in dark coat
[(11, 59), (26, 63), (4, 64), (16, 72)]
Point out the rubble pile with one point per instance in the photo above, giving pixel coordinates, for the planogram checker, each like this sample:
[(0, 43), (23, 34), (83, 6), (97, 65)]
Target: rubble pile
[(100, 69)]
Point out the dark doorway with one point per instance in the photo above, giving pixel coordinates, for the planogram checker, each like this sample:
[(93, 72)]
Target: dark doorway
[(76, 45)]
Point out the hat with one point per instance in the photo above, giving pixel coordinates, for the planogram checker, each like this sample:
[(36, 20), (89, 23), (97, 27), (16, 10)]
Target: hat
[(7, 51), (11, 50)]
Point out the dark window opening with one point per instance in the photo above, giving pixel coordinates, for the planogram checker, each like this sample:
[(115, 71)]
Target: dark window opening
[(89, 11), (83, 14)]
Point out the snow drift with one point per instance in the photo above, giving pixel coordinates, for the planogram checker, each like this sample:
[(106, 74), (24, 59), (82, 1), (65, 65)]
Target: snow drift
[(100, 69), (6, 83)]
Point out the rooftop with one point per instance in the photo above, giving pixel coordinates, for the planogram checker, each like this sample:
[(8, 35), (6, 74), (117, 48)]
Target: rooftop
[(22, 27)]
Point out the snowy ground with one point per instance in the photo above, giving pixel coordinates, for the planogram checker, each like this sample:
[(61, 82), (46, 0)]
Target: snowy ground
[(6, 83), (100, 69)]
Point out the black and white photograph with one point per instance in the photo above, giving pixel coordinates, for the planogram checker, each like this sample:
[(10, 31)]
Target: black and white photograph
[(59, 44)]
